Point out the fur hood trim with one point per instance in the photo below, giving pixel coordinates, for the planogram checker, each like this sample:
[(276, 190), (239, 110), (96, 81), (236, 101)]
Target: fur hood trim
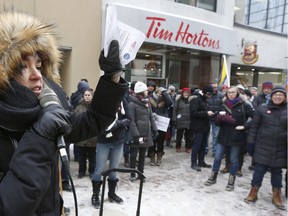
[(22, 34)]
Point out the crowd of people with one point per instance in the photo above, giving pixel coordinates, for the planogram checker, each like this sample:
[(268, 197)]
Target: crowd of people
[(117, 121)]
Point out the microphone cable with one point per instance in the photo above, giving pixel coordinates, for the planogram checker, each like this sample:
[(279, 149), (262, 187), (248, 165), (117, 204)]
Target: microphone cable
[(65, 165)]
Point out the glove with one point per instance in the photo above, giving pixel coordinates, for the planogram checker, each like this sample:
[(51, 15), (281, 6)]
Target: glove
[(52, 122), (155, 135), (111, 64), (225, 118), (250, 148)]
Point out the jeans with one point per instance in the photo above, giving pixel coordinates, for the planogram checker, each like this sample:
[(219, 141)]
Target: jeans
[(234, 158), (215, 130), (105, 151), (198, 147), (259, 172)]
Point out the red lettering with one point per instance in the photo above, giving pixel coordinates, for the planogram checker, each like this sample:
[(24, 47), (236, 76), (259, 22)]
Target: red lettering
[(152, 24), (183, 34)]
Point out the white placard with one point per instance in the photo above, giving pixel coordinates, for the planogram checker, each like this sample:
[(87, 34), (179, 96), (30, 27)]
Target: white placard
[(129, 38), (162, 123)]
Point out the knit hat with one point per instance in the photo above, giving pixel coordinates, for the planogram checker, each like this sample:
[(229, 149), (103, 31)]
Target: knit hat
[(82, 86), (207, 89), (267, 85), (279, 89), (224, 87), (185, 89), (140, 87), (22, 34)]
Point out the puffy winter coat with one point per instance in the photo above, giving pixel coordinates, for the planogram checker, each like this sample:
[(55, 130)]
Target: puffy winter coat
[(31, 183), (199, 119), (181, 112), (142, 121), (269, 134), (228, 135)]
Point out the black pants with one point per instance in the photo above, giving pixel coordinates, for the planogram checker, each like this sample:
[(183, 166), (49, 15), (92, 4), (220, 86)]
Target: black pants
[(84, 153), (187, 136), (141, 159), (158, 143)]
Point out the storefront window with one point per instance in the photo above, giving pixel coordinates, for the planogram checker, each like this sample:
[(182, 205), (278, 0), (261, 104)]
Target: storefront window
[(204, 4), (145, 66), (265, 14)]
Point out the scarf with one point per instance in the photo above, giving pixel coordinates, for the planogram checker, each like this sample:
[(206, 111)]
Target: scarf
[(19, 108), (231, 103)]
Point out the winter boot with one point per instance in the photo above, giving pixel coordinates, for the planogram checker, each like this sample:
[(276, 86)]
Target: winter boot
[(126, 162), (95, 196), (252, 197), (152, 158), (225, 169), (159, 158), (231, 182), (212, 179), (276, 199), (111, 193), (239, 172)]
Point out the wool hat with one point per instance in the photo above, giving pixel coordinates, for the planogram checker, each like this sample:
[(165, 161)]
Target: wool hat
[(83, 86), (140, 87), (207, 89), (267, 85), (185, 89), (279, 89), (22, 34)]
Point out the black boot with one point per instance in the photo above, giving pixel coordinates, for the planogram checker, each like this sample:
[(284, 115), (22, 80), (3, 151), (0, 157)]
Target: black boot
[(111, 193), (212, 179), (66, 186), (231, 182), (95, 196)]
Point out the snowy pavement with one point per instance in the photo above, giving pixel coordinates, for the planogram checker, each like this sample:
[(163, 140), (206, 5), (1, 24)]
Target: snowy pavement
[(174, 189)]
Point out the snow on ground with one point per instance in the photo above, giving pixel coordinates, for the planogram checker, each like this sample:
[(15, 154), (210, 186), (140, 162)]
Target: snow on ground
[(174, 189)]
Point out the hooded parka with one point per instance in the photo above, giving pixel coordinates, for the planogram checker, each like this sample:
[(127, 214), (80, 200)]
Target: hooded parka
[(28, 162)]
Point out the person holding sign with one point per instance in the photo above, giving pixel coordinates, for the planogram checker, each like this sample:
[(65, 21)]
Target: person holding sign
[(160, 102)]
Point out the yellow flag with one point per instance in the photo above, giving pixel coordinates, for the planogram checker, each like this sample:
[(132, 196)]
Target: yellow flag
[(224, 75)]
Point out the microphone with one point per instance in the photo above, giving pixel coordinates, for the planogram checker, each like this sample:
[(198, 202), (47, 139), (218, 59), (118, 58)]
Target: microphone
[(46, 98)]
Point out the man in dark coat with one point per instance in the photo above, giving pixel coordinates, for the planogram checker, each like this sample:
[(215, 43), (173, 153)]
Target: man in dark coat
[(199, 125)]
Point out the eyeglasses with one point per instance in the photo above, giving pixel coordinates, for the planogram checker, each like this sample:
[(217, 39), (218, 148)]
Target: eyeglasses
[(278, 95), (231, 92)]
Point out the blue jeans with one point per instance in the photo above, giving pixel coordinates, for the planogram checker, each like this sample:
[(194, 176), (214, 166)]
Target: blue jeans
[(234, 158), (105, 151), (259, 172), (198, 147), (215, 130)]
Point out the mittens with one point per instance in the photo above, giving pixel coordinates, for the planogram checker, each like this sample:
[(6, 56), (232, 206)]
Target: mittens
[(111, 64)]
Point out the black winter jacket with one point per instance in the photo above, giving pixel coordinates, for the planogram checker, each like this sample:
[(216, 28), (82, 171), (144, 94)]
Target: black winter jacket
[(228, 135), (269, 134), (199, 119), (30, 185)]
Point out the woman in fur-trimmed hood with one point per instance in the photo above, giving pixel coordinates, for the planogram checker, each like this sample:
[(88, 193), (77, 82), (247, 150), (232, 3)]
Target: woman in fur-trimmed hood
[(29, 61)]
